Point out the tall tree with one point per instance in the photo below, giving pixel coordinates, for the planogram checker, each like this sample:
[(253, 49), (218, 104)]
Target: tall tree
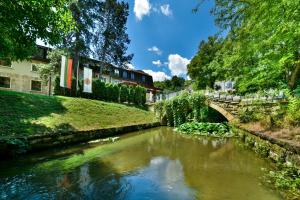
[(202, 69), (261, 49), (22, 22), (111, 39), (78, 41), (175, 84)]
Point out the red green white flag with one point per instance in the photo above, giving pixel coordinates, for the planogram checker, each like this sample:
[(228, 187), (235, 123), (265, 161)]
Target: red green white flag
[(66, 72)]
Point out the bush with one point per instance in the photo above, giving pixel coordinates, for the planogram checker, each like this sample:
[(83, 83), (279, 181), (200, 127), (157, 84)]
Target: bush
[(104, 91), (124, 93), (99, 90), (206, 129), (131, 93), (183, 108), (139, 95), (293, 110)]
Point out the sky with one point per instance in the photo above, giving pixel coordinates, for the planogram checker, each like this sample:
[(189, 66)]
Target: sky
[(165, 34)]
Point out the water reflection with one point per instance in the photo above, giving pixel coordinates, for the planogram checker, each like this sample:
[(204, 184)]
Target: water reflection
[(155, 164)]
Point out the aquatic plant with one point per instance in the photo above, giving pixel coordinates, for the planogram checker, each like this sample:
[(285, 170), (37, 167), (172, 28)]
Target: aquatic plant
[(206, 129)]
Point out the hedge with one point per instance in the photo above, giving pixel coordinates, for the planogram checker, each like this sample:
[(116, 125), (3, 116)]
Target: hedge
[(105, 92)]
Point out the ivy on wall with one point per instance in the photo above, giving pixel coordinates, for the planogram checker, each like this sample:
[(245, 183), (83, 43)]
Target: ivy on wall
[(183, 108)]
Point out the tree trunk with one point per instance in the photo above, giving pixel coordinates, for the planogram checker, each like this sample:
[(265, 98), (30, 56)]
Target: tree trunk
[(50, 85), (295, 76)]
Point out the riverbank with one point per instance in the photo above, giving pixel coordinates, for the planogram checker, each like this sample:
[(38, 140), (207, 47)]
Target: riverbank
[(24, 114), (31, 121)]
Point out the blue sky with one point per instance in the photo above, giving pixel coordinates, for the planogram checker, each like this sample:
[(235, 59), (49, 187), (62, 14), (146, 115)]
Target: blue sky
[(165, 34)]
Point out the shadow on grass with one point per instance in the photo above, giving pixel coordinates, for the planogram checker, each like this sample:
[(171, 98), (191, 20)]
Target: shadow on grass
[(19, 110)]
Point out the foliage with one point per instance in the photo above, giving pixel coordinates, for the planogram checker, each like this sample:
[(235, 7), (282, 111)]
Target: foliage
[(206, 129), (124, 93), (250, 114), (201, 69), (131, 94), (22, 22), (287, 179), (261, 49), (27, 114), (175, 84), (293, 110), (159, 109), (139, 95), (183, 108), (111, 40), (47, 70), (105, 92), (99, 90)]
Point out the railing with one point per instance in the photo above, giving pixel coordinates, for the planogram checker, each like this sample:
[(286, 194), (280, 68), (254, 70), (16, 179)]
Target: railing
[(216, 96)]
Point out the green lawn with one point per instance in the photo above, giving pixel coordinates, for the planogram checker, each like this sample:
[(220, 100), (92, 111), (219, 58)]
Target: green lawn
[(23, 114)]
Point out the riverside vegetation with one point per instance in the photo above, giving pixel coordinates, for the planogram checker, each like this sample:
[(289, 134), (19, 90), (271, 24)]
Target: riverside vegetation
[(189, 113), (24, 114)]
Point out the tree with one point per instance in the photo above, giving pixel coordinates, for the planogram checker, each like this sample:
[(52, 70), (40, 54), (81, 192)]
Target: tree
[(111, 39), (78, 42), (46, 71), (261, 49), (175, 84), (22, 22), (202, 69)]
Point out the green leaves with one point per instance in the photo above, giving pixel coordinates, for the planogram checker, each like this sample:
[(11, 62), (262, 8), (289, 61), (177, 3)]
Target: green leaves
[(22, 22), (261, 49), (206, 129), (183, 108)]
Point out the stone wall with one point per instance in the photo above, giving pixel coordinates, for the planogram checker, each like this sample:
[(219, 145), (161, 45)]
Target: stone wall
[(19, 145)]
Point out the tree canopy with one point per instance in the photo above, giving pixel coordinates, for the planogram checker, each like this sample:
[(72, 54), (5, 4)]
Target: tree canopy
[(175, 84), (261, 49), (22, 22), (201, 68)]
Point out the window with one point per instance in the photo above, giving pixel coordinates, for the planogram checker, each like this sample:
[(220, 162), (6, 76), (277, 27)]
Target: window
[(132, 76), (143, 79), (5, 62), (116, 72), (34, 68), (103, 79), (36, 85), (4, 82), (125, 74)]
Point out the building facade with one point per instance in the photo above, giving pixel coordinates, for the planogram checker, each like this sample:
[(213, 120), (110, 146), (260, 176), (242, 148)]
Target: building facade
[(22, 76)]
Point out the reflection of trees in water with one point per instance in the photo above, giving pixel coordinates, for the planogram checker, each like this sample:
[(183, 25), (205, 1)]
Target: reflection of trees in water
[(169, 158)]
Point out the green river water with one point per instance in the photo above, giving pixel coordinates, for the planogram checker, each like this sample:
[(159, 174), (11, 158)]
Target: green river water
[(151, 164)]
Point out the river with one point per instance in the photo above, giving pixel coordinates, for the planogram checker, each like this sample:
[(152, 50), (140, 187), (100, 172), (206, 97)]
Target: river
[(151, 164)]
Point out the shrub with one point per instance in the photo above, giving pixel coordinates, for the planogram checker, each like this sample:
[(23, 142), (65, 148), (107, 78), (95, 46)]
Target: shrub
[(124, 93), (139, 95), (104, 91), (183, 108), (131, 93), (206, 129), (99, 90), (293, 110)]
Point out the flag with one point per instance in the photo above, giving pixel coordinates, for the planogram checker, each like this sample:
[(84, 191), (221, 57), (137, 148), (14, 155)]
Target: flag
[(87, 79), (66, 72)]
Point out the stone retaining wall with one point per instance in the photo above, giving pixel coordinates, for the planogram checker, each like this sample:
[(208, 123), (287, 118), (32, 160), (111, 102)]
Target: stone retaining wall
[(277, 150), (19, 145)]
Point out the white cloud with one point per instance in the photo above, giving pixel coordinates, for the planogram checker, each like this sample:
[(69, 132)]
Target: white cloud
[(157, 76), (178, 64), (165, 9), (155, 49), (141, 8), (158, 63), (130, 66)]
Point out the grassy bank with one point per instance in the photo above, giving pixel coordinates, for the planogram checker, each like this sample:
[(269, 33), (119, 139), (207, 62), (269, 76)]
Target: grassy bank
[(24, 114)]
